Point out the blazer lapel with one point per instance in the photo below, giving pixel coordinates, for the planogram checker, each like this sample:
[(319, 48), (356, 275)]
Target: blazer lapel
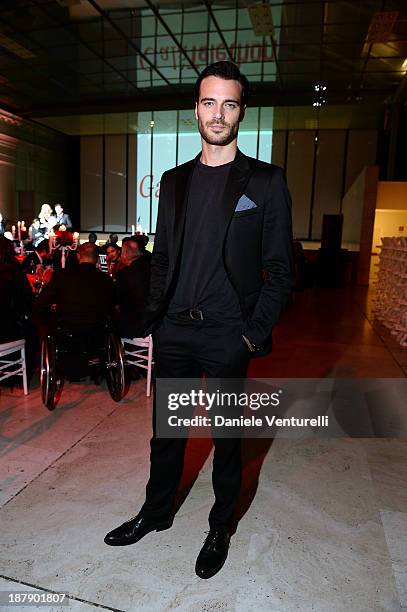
[(182, 183), (238, 178)]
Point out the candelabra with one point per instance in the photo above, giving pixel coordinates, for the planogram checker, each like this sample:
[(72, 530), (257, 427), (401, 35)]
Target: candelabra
[(21, 229), (64, 242)]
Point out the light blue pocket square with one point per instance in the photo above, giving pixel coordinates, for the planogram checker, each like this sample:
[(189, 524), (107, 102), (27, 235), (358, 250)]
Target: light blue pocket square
[(245, 203)]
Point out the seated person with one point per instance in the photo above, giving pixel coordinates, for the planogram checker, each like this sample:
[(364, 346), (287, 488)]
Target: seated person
[(36, 233), (93, 237), (40, 257), (142, 241), (113, 239), (113, 262), (132, 283), (16, 295), (82, 295)]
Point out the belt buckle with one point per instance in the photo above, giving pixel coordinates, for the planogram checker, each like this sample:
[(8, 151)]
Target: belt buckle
[(196, 314)]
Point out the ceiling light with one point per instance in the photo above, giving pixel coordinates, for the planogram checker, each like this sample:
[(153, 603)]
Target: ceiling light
[(319, 99), (261, 18)]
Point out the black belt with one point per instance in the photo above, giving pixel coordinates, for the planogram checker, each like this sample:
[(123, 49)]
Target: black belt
[(195, 314)]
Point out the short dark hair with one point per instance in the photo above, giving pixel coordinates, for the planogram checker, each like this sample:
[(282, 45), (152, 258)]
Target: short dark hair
[(88, 250), (227, 71), (141, 239)]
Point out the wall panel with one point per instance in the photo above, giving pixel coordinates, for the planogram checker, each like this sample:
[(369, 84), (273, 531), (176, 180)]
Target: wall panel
[(317, 175), (91, 183), (115, 183), (278, 148), (328, 177), (361, 152), (131, 182), (8, 176), (300, 159)]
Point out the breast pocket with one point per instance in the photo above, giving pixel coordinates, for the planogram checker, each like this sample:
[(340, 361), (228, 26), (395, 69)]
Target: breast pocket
[(246, 213)]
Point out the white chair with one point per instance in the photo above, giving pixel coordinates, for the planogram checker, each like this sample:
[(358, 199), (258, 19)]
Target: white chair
[(139, 352), (103, 263), (13, 367)]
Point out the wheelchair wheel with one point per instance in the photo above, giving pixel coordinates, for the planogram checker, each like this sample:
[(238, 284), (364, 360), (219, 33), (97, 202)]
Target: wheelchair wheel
[(48, 374), (114, 367)]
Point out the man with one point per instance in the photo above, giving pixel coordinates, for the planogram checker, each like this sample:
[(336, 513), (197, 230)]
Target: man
[(62, 218), (221, 272), (83, 294), (132, 283), (143, 241)]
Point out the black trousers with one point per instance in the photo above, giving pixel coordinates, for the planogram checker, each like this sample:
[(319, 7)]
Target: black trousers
[(187, 349)]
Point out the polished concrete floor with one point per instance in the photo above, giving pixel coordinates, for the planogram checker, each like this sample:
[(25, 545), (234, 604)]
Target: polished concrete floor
[(323, 522)]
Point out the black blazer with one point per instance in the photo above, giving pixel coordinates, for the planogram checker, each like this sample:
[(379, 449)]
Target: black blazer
[(83, 295), (131, 295), (65, 219), (257, 248)]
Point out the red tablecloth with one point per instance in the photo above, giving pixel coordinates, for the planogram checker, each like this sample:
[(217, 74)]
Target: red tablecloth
[(36, 279)]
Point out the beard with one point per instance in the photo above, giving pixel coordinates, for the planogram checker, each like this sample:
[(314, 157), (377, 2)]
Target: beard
[(225, 137)]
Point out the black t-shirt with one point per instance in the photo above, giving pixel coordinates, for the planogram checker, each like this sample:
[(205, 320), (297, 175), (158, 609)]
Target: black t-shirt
[(203, 282)]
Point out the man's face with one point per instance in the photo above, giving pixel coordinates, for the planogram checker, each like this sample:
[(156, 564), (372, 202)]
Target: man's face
[(219, 110), (129, 253), (58, 209)]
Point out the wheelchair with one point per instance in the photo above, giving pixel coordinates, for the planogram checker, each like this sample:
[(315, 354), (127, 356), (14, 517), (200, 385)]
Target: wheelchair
[(74, 354)]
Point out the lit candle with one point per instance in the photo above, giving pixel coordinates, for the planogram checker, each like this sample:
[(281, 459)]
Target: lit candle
[(13, 231), (133, 230), (19, 230), (51, 240)]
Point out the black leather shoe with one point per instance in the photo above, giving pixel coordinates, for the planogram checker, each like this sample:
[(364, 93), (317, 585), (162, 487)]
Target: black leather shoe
[(134, 529), (213, 553)]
